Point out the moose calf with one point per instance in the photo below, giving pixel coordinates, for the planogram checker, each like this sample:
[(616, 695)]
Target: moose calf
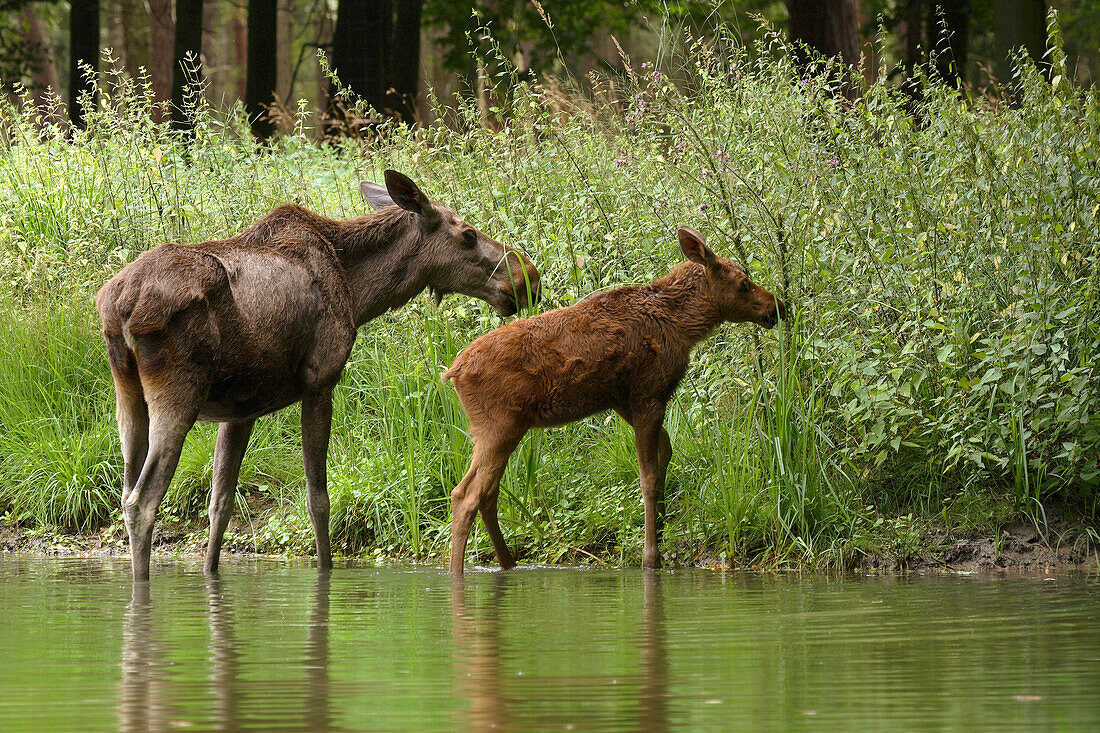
[(625, 350)]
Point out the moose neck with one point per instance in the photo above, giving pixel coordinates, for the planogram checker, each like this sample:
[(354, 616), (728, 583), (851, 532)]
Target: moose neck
[(381, 255), (690, 312)]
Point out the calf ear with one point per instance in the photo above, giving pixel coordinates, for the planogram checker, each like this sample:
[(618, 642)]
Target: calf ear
[(407, 194), (377, 196), (693, 246)]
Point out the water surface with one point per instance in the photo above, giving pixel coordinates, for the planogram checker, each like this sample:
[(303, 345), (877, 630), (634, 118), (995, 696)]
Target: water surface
[(273, 646)]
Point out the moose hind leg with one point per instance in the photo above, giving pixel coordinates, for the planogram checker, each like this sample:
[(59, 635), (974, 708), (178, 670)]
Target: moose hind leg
[(132, 415), (167, 431), (228, 454), (131, 412)]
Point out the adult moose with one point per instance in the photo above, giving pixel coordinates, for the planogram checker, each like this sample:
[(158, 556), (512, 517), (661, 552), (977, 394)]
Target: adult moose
[(231, 330), (624, 350)]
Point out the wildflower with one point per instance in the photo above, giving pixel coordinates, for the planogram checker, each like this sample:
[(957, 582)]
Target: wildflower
[(703, 208)]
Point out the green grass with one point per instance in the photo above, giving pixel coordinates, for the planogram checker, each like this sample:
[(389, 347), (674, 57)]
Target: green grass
[(943, 270)]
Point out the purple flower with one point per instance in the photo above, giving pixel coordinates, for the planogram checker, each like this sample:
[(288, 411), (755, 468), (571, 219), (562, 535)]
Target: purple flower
[(703, 208)]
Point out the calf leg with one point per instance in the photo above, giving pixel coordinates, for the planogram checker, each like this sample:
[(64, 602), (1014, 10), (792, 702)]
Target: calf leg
[(487, 466), (492, 526), (647, 441), (228, 454), (664, 455), (167, 431), (316, 427)]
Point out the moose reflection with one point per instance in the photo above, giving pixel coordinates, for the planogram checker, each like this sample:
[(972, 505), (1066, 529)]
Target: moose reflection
[(152, 699)]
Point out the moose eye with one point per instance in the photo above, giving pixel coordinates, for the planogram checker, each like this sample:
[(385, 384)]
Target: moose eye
[(469, 237), (745, 285)]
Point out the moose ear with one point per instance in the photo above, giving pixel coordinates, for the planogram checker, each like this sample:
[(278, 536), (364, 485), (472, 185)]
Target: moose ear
[(377, 196), (407, 194), (693, 246)]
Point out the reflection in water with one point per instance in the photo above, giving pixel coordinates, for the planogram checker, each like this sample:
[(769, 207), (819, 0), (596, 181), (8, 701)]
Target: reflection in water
[(619, 650), (150, 699), (145, 699), (224, 657), (653, 692), (318, 712), (498, 697), (475, 633)]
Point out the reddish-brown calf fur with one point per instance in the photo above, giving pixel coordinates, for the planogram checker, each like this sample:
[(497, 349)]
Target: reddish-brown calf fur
[(624, 350)]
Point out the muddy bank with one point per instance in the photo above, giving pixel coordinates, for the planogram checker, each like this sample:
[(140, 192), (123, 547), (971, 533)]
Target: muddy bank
[(1064, 547)]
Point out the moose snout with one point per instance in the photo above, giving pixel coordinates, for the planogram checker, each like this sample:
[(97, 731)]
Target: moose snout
[(526, 286)]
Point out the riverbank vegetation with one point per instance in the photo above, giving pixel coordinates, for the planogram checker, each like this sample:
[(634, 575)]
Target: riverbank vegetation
[(940, 256)]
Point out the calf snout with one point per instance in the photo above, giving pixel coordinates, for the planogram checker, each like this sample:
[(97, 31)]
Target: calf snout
[(778, 313)]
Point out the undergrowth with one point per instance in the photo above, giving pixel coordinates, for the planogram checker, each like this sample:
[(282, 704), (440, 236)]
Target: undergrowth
[(941, 261)]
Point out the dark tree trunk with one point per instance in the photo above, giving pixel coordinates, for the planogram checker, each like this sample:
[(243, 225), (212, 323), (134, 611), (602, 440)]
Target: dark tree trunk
[(1019, 24), (84, 50), (828, 26), (360, 48), (262, 64), (187, 67), (949, 38), (162, 34), (405, 61), (44, 73), (135, 34)]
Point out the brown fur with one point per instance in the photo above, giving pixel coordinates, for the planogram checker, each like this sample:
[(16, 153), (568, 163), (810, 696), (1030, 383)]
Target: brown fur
[(624, 350), (234, 329)]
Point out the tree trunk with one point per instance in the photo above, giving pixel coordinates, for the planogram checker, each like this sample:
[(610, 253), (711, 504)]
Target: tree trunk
[(1019, 24), (360, 48), (135, 24), (187, 64), (949, 39), (405, 61), (162, 34), (828, 26), (84, 51), (263, 65), (44, 76)]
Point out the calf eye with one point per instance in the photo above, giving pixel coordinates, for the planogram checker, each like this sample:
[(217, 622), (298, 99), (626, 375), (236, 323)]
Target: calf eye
[(745, 285), (469, 237)]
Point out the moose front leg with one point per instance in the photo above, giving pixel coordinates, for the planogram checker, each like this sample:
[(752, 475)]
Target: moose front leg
[(648, 442), (228, 454), (316, 426)]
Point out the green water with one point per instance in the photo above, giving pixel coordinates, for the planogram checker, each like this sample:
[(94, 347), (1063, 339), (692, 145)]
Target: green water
[(271, 646)]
